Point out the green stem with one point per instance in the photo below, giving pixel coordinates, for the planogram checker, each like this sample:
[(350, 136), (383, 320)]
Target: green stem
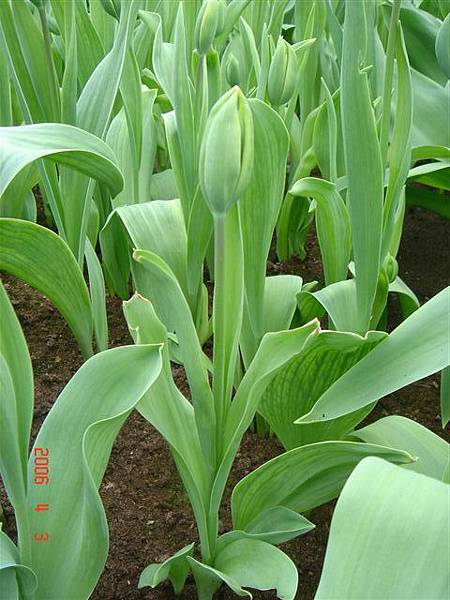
[(54, 87), (23, 532), (219, 383), (388, 77)]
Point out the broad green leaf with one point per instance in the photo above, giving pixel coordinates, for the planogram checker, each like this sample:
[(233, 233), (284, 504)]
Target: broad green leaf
[(430, 451), (254, 564), (18, 201), (89, 47), (11, 467), (6, 109), (339, 301), (257, 564), (173, 310), (280, 301), (15, 578), (442, 46), (79, 433), (408, 300), (445, 396), (13, 349), (434, 201), (94, 111), (431, 119), (302, 478), (176, 568), (97, 295), (259, 208), (22, 34), (363, 165), (69, 87), (163, 186), (333, 225), (326, 142), (421, 30), (388, 59), (275, 350), (103, 23), (417, 348), (302, 381), (388, 537), (399, 151), (42, 259), (137, 177), (64, 144), (277, 525), (147, 225), (165, 407)]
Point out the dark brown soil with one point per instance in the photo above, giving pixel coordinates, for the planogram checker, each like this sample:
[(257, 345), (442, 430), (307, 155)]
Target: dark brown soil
[(148, 512)]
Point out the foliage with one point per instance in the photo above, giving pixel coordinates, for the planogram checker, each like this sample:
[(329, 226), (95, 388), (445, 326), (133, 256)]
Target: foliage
[(167, 137)]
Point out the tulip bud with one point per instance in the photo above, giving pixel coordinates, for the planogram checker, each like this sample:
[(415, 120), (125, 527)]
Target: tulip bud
[(391, 267), (232, 72), (282, 74), (210, 22), (112, 7), (226, 153)]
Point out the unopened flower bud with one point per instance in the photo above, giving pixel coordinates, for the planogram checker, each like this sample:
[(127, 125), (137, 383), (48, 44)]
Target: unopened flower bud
[(226, 153), (391, 267), (210, 22), (232, 71), (282, 74)]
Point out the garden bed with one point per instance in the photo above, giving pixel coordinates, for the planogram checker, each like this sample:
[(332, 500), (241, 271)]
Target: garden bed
[(148, 512)]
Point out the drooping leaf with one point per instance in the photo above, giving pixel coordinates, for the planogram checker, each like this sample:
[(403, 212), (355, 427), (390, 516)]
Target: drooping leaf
[(333, 225), (15, 578), (254, 564), (20, 146), (43, 260), (176, 568), (79, 433)]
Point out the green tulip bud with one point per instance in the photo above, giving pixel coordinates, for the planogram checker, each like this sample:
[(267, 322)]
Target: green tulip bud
[(390, 267), (232, 71), (112, 7), (226, 153), (210, 22), (282, 74)]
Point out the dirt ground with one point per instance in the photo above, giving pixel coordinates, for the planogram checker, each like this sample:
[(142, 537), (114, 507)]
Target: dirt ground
[(148, 512)]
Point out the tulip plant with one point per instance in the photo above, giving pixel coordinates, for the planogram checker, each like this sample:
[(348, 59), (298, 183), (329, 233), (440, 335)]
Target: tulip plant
[(175, 142)]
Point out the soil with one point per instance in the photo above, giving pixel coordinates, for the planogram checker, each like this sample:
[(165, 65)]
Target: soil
[(148, 512)]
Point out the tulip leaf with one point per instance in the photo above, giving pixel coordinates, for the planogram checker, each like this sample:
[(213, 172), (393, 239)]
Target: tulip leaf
[(24, 249), (415, 349), (175, 568), (432, 453), (65, 144), (388, 537), (301, 382), (254, 564), (302, 478), (79, 433)]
